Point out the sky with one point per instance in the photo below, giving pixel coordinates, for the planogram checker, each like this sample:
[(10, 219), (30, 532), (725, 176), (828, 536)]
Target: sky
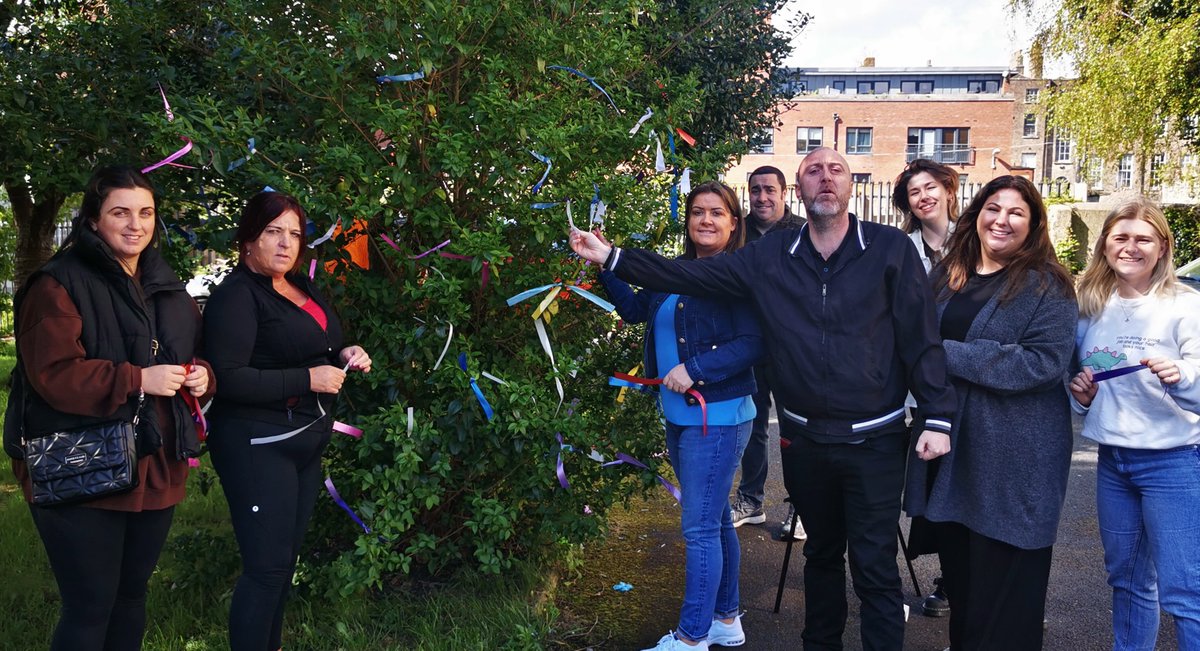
[(912, 33)]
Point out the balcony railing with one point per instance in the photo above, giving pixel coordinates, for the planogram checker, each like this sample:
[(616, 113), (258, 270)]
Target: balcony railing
[(959, 154)]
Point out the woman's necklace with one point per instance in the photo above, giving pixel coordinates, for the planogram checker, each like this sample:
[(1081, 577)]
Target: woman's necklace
[(1124, 304)]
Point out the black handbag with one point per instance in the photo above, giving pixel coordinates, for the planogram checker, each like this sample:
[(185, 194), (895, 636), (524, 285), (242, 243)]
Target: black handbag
[(82, 464)]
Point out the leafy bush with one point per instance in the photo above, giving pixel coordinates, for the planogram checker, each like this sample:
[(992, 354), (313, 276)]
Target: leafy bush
[(1185, 224)]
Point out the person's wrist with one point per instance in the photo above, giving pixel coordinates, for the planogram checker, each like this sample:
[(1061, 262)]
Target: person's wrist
[(610, 259)]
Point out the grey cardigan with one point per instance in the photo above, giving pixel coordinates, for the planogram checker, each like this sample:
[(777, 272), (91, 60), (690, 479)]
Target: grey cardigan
[(1006, 474)]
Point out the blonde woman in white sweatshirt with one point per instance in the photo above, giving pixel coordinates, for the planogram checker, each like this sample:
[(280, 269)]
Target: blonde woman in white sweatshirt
[(1139, 348)]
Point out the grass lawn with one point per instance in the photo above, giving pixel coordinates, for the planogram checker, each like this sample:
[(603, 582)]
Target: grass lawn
[(190, 592)]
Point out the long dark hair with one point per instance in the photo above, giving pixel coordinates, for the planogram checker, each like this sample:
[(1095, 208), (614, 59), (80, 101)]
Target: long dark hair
[(262, 209), (1036, 254), (737, 238), (102, 184), (944, 175)]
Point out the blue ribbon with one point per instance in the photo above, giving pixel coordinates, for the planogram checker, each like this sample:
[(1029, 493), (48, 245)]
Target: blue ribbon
[(239, 162), (674, 192), (603, 304), (1108, 375), (546, 205), (412, 76), (545, 159), (590, 81), (487, 408)]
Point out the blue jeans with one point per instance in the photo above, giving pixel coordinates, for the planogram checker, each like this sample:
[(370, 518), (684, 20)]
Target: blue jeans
[(1148, 503), (753, 487), (704, 466)]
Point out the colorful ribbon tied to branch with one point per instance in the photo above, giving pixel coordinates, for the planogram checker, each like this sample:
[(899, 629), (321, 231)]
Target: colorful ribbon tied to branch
[(674, 193), (558, 466), (546, 160), (590, 81), (642, 384), (242, 161), (549, 306), (487, 408), (337, 498), (642, 120), (169, 160), (411, 76), (626, 459)]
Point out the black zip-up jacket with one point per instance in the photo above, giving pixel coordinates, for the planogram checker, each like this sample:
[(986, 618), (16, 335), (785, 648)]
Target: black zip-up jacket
[(843, 351), (261, 346)]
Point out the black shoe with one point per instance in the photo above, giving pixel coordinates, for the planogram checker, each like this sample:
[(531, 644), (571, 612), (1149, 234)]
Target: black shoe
[(936, 604)]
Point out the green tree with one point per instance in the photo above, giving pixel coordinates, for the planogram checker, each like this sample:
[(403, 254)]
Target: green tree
[(447, 153), (1137, 62)]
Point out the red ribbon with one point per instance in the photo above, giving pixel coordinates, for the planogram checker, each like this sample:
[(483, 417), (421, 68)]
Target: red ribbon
[(655, 381)]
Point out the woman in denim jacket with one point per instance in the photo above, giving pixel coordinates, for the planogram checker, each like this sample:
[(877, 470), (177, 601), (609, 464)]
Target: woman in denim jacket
[(709, 346)]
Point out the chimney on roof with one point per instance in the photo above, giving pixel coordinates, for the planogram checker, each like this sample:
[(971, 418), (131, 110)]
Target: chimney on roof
[(869, 62), (1018, 64)]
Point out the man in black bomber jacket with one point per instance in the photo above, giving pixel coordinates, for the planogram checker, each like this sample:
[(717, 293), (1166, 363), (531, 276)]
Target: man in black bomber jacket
[(848, 315)]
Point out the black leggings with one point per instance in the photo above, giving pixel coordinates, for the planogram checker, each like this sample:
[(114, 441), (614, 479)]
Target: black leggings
[(102, 561), (271, 489)]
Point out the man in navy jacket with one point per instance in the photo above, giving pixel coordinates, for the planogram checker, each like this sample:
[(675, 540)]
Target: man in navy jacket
[(848, 316)]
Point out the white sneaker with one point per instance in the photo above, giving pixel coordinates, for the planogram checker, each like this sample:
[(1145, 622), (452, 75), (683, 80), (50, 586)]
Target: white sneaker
[(786, 533), (671, 643), (722, 634)]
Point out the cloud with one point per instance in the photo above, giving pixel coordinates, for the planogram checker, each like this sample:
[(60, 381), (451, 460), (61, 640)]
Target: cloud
[(944, 32)]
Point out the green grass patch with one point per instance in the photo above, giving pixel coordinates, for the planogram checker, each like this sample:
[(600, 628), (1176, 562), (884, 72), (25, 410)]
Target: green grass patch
[(190, 592)]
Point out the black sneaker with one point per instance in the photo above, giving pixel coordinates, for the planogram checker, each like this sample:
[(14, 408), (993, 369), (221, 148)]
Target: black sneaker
[(936, 604)]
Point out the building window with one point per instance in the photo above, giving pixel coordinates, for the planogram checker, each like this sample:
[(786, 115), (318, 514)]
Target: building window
[(1125, 171), (1156, 163), (873, 87), (858, 140), (1030, 129), (839, 87), (983, 86), (919, 87), (1062, 149), (860, 178), (1031, 95), (1029, 161), (808, 138), (764, 143), (948, 145)]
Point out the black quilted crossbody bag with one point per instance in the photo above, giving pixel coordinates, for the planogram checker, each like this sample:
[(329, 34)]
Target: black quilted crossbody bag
[(83, 464)]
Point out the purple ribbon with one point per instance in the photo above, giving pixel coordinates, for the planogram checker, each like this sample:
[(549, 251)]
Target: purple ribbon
[(342, 503), (562, 473), (1108, 375), (625, 458)]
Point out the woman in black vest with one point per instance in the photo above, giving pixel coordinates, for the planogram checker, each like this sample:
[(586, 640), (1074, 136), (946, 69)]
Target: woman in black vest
[(103, 328), (276, 347)]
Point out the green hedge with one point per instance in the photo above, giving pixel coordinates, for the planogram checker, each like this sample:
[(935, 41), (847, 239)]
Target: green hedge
[(1185, 223)]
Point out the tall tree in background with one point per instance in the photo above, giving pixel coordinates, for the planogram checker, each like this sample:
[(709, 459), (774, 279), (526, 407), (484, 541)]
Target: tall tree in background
[(1138, 63)]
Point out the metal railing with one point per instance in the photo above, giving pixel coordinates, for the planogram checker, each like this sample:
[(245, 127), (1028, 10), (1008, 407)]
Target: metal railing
[(873, 201)]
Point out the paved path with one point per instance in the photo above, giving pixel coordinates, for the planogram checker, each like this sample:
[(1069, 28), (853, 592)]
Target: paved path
[(1078, 608)]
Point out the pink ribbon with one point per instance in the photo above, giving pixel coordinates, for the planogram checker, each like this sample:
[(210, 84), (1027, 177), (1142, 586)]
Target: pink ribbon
[(348, 430)]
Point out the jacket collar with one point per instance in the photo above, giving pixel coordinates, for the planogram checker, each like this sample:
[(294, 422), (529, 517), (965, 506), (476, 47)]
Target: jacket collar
[(855, 230)]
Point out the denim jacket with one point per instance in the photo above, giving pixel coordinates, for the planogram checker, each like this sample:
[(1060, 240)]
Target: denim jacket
[(719, 342)]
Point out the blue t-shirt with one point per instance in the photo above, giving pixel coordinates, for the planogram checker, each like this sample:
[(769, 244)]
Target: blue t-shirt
[(674, 405)]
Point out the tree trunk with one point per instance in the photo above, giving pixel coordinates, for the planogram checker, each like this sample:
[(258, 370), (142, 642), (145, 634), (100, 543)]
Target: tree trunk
[(35, 227)]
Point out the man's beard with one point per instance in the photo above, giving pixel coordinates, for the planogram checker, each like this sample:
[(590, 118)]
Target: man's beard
[(822, 208)]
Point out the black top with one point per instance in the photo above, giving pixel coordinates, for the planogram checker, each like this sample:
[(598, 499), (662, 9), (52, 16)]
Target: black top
[(964, 306), (261, 345)]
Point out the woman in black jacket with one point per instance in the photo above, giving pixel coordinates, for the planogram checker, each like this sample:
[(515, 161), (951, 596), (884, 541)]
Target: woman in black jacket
[(105, 331), (278, 345)]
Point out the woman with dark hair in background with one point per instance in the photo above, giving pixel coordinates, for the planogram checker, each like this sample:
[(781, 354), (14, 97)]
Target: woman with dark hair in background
[(927, 193), (709, 346), (105, 331), (1007, 313), (276, 347), (1134, 314)]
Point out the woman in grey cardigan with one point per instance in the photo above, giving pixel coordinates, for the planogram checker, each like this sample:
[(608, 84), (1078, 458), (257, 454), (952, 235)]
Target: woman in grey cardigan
[(1007, 312)]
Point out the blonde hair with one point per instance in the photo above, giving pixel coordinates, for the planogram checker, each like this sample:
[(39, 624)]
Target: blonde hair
[(1100, 281)]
